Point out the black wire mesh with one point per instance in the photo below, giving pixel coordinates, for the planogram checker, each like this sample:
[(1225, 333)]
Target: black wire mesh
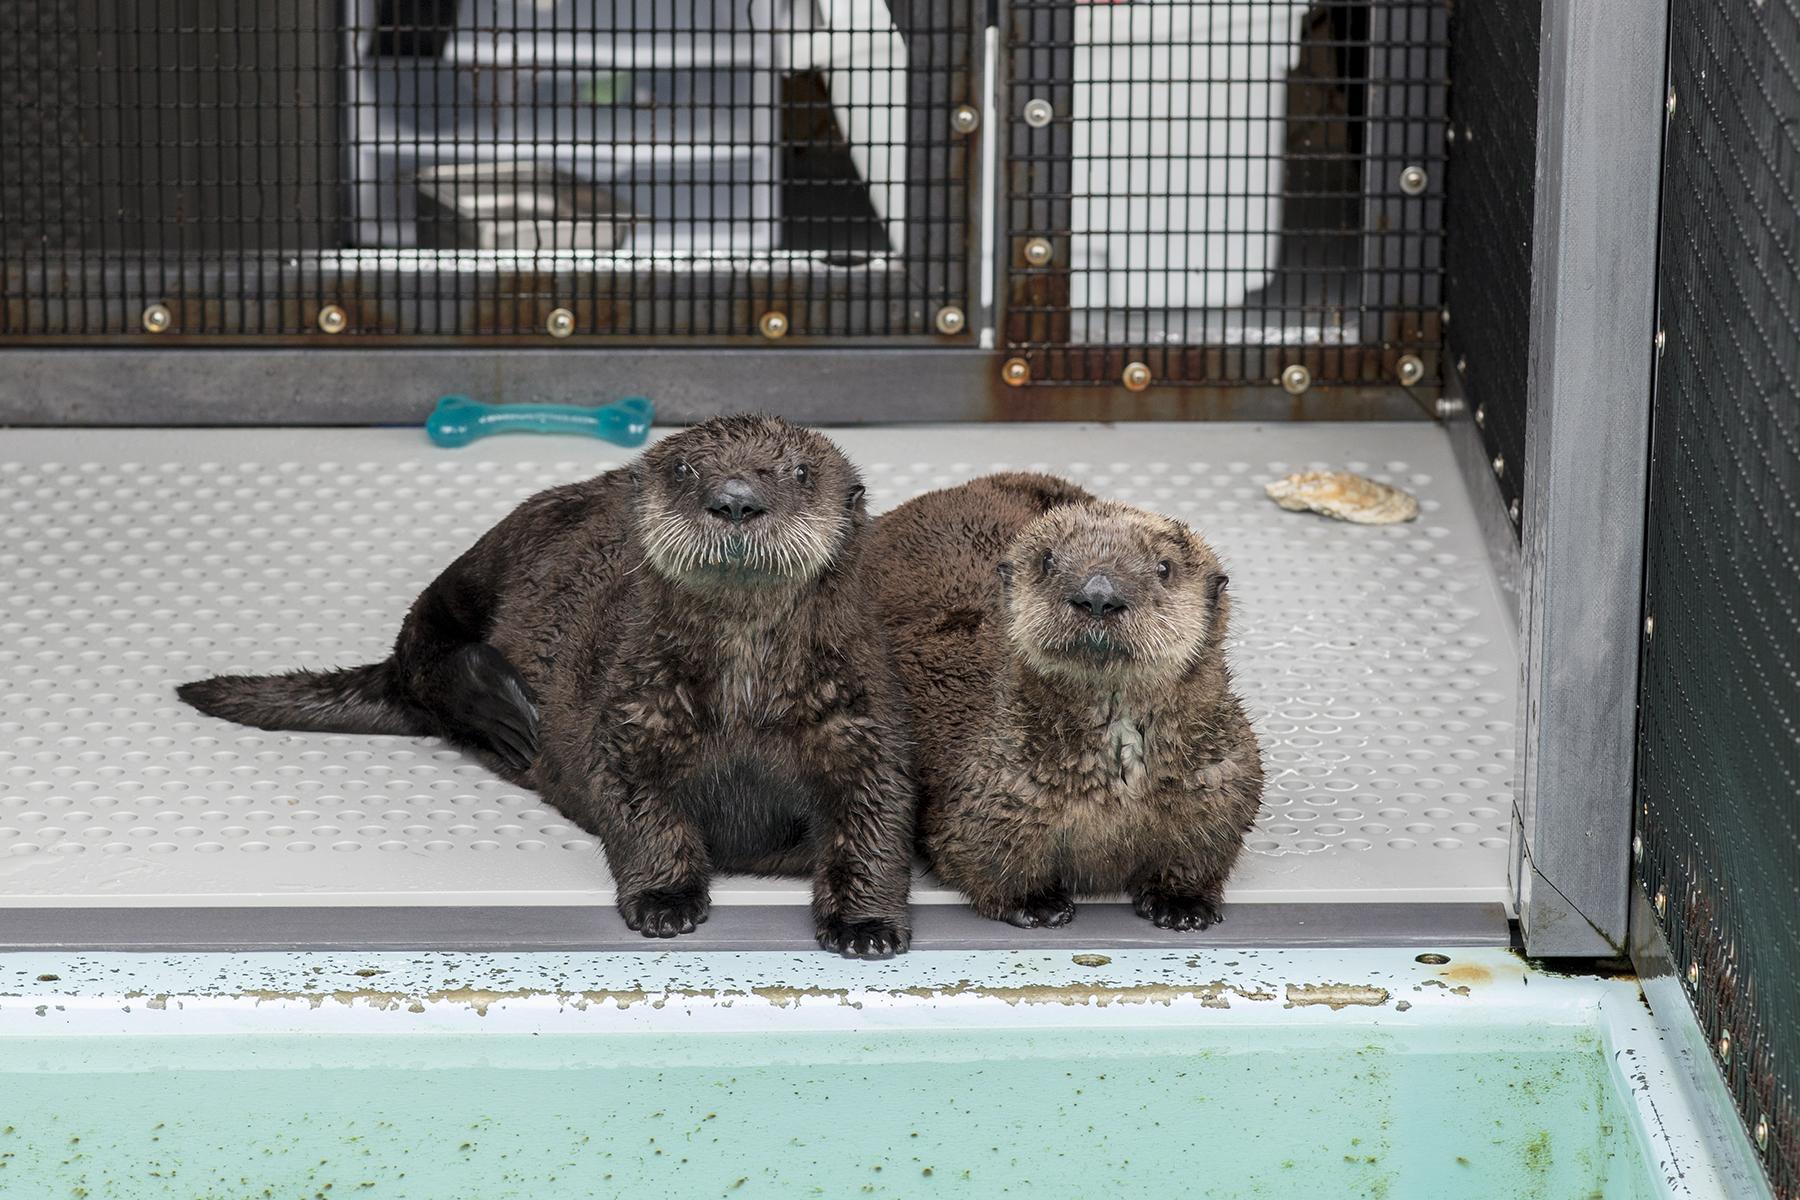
[(1487, 277), (1719, 752), (380, 169), (1221, 190)]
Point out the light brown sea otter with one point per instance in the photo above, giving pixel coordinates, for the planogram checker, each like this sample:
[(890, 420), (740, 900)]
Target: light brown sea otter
[(1071, 708)]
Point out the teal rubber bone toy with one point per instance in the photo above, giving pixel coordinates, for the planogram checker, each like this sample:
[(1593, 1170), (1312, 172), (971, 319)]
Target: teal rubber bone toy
[(458, 420)]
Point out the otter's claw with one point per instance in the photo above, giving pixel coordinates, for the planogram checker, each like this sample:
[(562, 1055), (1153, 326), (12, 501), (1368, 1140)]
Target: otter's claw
[(876, 937), (664, 914), (1177, 912), (1042, 910)]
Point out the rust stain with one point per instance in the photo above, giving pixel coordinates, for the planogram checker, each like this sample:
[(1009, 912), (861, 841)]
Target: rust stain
[(1104, 399), (1467, 973)]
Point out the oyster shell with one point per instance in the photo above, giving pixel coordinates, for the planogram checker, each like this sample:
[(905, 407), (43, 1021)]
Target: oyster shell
[(1344, 496)]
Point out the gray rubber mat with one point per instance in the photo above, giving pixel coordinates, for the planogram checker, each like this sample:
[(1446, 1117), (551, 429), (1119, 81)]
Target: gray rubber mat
[(1378, 662)]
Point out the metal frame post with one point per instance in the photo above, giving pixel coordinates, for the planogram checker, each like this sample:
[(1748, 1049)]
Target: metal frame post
[(1599, 163)]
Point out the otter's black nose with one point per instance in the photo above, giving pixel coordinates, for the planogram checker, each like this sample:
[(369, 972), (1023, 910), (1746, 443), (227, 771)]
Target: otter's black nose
[(1099, 597), (734, 501)]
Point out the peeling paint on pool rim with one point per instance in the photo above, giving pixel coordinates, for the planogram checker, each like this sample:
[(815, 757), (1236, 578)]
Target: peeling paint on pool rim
[(1044, 1073)]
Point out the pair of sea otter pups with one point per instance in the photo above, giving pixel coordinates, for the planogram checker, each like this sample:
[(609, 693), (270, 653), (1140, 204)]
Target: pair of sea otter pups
[(712, 659)]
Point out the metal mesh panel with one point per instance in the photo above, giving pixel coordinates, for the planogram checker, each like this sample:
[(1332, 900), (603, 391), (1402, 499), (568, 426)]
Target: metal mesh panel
[(38, 76), (1719, 756), (1487, 276), (380, 169), (1219, 190)]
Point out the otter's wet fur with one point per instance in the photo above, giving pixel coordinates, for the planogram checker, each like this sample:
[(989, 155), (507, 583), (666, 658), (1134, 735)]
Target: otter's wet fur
[(1074, 724), (681, 657)]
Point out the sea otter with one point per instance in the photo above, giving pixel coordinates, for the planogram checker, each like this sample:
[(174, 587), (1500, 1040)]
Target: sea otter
[(1075, 728), (681, 656)]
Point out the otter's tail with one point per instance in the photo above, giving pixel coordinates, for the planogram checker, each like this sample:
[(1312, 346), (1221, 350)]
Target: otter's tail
[(363, 699)]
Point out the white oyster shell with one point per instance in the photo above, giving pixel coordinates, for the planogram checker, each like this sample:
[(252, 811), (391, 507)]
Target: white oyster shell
[(1344, 496)]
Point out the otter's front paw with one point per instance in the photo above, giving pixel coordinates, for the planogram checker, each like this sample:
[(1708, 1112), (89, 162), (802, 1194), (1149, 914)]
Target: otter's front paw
[(876, 937), (663, 914), (1177, 912), (1048, 909)]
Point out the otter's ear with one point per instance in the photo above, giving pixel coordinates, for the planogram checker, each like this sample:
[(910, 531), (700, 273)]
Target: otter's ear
[(854, 498), (1004, 570), (1215, 586)]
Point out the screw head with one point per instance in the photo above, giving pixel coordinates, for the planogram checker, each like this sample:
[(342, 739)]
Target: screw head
[(1669, 104), (1016, 372), (1660, 902), (1410, 369), (1637, 845), (333, 319), (1481, 414), (773, 325), (1693, 974), (1447, 407), (1724, 1045), (560, 323), (1661, 338), (950, 319), (1450, 135), (1500, 464), (1038, 113), (1136, 377), (1650, 625), (1413, 180), (1038, 251), (1462, 364), (1295, 379), (1512, 510), (1762, 1132), (1444, 314), (158, 318), (966, 119)]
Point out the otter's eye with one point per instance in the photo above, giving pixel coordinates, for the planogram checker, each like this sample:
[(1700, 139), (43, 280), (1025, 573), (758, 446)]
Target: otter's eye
[(1163, 568), (802, 474), (682, 470), (1049, 560)]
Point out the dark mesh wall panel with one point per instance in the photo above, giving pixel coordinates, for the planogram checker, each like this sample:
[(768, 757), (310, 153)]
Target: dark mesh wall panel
[(1487, 259), (360, 171), (40, 141), (1213, 191), (1719, 758)]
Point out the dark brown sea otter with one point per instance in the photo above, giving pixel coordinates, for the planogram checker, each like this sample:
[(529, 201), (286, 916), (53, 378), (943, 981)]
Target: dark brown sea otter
[(1069, 698), (681, 657)]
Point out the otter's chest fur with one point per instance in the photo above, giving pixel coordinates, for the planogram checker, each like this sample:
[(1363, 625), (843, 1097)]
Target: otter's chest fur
[(730, 718), (760, 681), (732, 684), (1100, 753), (1093, 773)]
